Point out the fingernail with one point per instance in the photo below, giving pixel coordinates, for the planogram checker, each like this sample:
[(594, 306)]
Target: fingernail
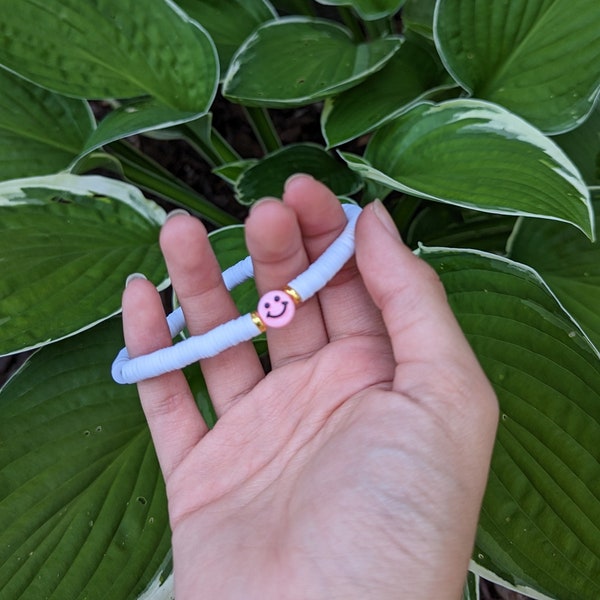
[(177, 211), (133, 276), (263, 201), (296, 176), (384, 218)]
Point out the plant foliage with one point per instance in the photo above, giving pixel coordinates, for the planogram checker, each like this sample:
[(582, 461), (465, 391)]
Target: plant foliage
[(475, 120)]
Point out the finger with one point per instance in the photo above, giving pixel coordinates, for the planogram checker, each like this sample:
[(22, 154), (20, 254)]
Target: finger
[(206, 303), (275, 243), (418, 318), (175, 423), (346, 305)]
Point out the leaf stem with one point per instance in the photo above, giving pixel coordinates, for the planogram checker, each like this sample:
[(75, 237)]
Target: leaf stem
[(217, 152), (378, 28), (350, 20), (147, 174), (263, 127), (226, 153), (403, 211)]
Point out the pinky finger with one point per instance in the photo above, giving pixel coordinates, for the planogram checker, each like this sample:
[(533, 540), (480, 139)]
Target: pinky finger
[(168, 403)]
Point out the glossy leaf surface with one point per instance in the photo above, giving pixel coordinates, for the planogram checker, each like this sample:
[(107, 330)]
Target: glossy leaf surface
[(540, 520), (111, 49), (417, 17), (296, 61), (228, 23), (267, 177), (403, 82), (570, 265), (477, 155), (65, 263), (133, 118), (582, 145), (444, 225), (231, 172), (539, 58), (369, 9), (40, 132), (83, 510)]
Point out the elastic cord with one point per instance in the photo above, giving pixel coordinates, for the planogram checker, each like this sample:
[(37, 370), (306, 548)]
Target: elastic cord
[(242, 329)]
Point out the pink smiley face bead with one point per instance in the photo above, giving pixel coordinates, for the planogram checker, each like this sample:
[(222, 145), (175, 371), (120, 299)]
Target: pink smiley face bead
[(276, 309)]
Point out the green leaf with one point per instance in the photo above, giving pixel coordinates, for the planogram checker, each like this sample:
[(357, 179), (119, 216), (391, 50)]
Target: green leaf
[(568, 262), (229, 246), (40, 132), (582, 146), (231, 172), (228, 23), (296, 61), (406, 80), (417, 17), (369, 10), (471, 590), (111, 49), (267, 177), (475, 154), (444, 225), (94, 161), (540, 520), (539, 58), (132, 118), (83, 511), (64, 263)]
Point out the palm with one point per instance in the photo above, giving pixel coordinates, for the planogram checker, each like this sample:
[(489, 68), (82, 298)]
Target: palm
[(347, 471), (315, 472)]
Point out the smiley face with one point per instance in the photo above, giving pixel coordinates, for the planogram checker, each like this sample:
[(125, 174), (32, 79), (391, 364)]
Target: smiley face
[(276, 309)]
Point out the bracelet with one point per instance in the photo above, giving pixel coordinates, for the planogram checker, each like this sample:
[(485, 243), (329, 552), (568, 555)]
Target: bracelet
[(275, 309)]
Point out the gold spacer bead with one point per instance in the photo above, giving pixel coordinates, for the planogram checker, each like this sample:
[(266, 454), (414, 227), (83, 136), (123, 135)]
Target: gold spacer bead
[(258, 322), (293, 294)]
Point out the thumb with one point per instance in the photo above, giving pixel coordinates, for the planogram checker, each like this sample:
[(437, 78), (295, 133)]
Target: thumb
[(409, 294)]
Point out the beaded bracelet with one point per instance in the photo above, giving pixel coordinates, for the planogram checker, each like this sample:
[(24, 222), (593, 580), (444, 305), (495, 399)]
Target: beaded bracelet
[(275, 309)]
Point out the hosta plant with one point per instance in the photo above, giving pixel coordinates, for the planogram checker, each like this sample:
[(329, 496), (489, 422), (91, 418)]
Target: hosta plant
[(475, 122)]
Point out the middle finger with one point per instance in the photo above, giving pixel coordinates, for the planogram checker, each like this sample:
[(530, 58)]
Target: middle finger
[(274, 240)]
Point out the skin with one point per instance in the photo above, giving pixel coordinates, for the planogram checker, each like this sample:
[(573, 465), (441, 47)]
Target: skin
[(356, 467)]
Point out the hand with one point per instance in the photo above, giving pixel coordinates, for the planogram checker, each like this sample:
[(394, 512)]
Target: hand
[(356, 467)]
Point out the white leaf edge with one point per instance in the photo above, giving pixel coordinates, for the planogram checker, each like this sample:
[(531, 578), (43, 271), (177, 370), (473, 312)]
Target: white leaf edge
[(329, 109), (592, 99), (11, 194), (493, 578), (159, 591), (466, 593), (532, 274), (241, 180), (97, 139), (165, 591), (527, 271), (502, 122), (236, 62), (366, 16), (185, 118)]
